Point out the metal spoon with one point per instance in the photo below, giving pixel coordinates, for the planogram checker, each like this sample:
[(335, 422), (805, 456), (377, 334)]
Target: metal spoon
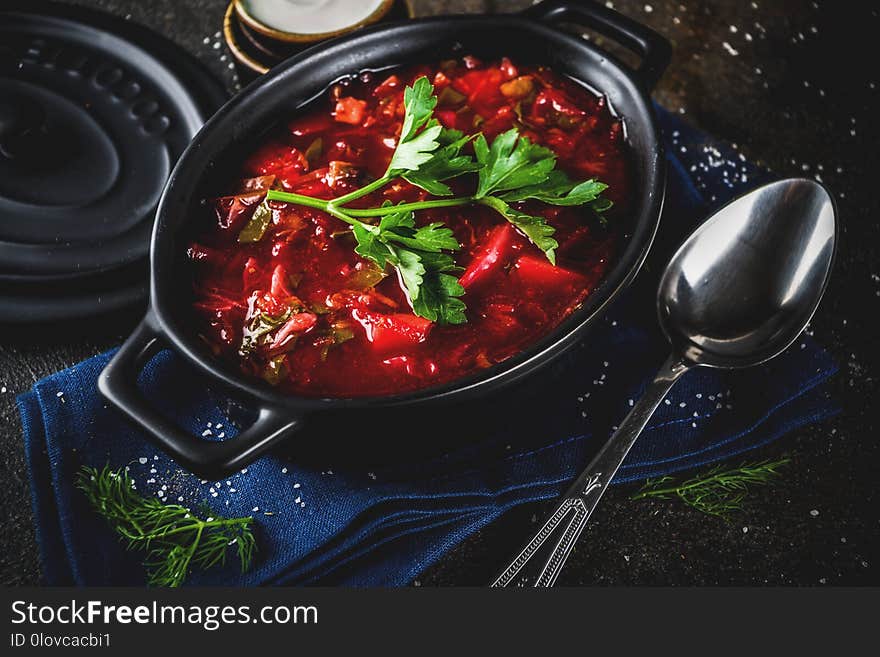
[(738, 292)]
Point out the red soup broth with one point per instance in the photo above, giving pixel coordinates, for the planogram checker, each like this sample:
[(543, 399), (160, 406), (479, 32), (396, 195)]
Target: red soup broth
[(358, 335)]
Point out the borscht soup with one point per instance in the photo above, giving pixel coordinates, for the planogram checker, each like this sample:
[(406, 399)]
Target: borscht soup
[(410, 227)]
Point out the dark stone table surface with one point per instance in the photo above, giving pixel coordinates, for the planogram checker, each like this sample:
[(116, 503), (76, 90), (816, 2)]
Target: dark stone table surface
[(790, 82)]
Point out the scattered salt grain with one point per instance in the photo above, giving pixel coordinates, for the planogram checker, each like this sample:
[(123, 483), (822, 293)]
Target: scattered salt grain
[(730, 49)]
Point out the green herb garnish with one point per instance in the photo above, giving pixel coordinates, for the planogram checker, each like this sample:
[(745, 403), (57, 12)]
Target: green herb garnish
[(509, 170), (447, 162), (717, 492), (257, 225), (258, 329), (417, 255), (174, 538)]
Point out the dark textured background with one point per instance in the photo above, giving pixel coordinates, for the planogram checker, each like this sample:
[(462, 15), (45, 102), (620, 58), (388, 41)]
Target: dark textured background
[(790, 82)]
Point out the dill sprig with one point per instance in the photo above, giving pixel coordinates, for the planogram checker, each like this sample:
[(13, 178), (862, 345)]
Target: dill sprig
[(716, 492), (175, 539)]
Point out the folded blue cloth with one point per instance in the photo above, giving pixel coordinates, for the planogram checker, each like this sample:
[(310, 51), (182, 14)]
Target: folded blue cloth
[(383, 524)]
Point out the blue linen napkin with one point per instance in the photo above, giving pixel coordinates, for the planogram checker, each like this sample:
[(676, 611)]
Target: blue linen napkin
[(369, 524)]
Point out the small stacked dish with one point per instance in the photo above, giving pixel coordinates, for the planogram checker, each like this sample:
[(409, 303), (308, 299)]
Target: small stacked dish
[(263, 33), (94, 113)]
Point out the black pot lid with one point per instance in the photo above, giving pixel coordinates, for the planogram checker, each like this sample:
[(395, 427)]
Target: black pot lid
[(94, 112), (42, 302)]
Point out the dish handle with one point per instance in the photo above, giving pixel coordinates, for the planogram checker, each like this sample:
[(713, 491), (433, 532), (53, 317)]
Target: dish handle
[(208, 459), (654, 50)]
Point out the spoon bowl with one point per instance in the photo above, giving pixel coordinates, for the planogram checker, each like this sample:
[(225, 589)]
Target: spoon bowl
[(745, 284)]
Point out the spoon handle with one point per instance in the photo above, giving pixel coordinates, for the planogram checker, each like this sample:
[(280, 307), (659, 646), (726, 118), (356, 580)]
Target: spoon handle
[(541, 559)]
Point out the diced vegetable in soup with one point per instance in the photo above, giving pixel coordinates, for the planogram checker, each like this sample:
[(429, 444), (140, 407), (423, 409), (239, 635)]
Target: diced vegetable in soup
[(410, 228)]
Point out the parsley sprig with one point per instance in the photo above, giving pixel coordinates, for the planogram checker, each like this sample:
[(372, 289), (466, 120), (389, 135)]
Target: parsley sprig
[(509, 170)]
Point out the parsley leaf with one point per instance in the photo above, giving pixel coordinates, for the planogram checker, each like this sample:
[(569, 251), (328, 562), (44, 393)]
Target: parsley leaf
[(419, 103), (411, 270), (446, 162), (539, 232), (425, 271), (511, 162), (368, 244), (414, 148), (558, 189), (433, 237), (438, 300)]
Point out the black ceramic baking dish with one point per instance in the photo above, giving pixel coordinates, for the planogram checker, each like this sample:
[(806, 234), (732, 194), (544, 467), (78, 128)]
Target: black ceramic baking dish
[(533, 36)]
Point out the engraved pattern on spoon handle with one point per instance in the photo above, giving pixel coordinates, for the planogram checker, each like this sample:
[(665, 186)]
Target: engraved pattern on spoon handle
[(540, 561)]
